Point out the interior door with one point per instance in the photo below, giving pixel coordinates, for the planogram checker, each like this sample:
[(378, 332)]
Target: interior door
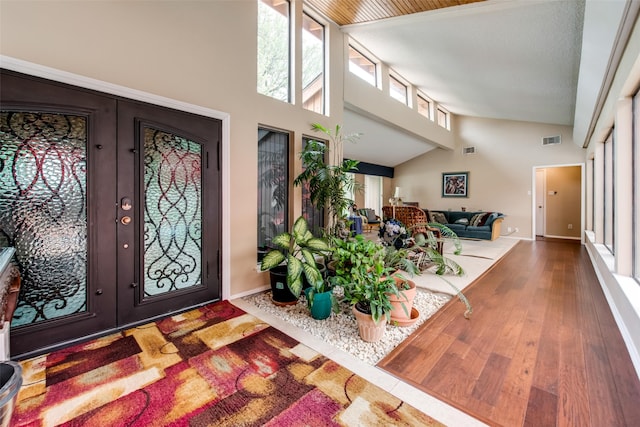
[(168, 210), (113, 207)]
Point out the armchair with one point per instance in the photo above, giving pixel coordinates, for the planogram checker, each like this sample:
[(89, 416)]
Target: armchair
[(369, 219), (415, 219)]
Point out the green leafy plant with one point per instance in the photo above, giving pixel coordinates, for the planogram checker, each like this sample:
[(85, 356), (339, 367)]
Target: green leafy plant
[(297, 249), (369, 290), (328, 175), (361, 271), (425, 253), (398, 259)]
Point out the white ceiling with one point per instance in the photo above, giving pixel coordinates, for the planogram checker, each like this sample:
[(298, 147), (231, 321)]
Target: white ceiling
[(502, 59)]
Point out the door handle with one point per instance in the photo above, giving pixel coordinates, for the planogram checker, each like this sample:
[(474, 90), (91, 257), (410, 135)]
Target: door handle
[(125, 220)]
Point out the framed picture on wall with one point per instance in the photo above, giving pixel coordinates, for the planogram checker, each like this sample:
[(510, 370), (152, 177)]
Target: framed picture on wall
[(455, 184)]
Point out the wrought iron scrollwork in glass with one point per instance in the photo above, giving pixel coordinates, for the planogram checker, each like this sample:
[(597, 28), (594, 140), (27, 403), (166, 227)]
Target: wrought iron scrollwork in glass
[(172, 212), (43, 211)]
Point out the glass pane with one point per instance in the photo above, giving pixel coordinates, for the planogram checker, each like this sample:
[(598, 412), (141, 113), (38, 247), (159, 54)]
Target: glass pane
[(424, 107), (443, 119), (397, 90), (312, 64), (43, 166), (362, 66), (273, 187), (313, 214), (273, 49), (172, 213)]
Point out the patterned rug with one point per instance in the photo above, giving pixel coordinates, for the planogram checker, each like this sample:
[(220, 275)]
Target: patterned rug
[(215, 365)]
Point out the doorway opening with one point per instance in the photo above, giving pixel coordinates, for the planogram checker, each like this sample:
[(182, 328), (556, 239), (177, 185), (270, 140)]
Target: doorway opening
[(558, 202)]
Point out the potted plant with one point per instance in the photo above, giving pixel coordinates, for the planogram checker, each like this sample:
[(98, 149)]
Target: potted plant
[(293, 258), (420, 253), (320, 299), (367, 283), (328, 176), (402, 312), (369, 295)]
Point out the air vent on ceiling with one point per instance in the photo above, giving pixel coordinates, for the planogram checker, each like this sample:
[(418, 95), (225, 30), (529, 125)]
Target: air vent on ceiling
[(468, 150), (551, 140)]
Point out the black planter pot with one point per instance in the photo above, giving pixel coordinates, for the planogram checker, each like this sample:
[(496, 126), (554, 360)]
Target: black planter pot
[(280, 293)]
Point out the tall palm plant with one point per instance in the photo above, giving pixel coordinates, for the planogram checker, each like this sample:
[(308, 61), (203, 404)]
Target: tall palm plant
[(327, 174)]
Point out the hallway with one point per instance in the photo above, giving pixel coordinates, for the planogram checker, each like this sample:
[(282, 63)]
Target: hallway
[(542, 347)]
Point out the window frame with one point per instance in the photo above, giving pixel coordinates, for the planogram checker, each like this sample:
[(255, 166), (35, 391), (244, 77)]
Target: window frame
[(447, 117), (285, 209), (375, 80), (609, 196), (421, 96), (289, 50), (323, 97), (395, 77)]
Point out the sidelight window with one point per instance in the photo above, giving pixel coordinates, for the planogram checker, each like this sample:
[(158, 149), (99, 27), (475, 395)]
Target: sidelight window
[(273, 186)]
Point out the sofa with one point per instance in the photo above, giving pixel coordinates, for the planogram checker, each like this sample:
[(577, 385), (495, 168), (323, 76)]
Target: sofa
[(472, 225)]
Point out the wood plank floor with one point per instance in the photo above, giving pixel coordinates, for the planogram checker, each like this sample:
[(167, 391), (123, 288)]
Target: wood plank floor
[(541, 349)]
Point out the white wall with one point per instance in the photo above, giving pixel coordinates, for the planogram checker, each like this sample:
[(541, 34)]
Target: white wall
[(500, 173)]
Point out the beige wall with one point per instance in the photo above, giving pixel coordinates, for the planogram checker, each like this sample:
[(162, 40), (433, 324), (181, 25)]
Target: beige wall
[(201, 53), (501, 176), (563, 206)]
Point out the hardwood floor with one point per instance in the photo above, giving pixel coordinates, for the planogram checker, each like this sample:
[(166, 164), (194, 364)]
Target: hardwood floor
[(541, 349)]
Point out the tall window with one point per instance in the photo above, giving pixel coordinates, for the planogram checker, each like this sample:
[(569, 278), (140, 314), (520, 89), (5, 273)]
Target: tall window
[(273, 49), (609, 193), (362, 66), (442, 116), (424, 106), (273, 186), (636, 186), (398, 90), (312, 64), (313, 214)]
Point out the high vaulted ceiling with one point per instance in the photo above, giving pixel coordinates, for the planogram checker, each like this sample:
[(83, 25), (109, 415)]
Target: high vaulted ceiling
[(502, 59), (344, 12)]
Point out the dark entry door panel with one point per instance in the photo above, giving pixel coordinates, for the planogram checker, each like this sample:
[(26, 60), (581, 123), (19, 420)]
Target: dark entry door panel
[(57, 155), (113, 207), (168, 248)]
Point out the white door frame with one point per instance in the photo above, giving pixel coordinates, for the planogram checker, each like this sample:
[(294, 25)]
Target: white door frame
[(582, 196)]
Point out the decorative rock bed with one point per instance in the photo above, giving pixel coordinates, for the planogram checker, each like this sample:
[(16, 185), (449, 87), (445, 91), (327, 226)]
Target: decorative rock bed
[(340, 330)]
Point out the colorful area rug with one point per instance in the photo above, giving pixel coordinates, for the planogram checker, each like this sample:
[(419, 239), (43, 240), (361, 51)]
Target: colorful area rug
[(215, 365)]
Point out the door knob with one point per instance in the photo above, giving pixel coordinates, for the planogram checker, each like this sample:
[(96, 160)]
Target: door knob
[(125, 220)]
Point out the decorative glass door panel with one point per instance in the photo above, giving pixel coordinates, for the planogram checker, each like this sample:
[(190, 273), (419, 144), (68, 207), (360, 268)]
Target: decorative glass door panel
[(113, 207), (172, 213), (43, 182), (168, 252)]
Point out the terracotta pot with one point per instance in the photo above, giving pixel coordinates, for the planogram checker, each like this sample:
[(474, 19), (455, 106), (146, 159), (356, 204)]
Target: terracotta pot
[(369, 330), (406, 296)]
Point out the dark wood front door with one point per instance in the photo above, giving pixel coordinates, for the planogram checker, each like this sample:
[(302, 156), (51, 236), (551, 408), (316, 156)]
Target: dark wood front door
[(112, 206)]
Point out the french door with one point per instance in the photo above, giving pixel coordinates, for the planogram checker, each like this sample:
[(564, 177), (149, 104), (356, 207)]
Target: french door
[(113, 207)]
